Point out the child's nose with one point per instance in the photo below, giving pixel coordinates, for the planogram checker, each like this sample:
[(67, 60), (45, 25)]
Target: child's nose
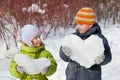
[(38, 38)]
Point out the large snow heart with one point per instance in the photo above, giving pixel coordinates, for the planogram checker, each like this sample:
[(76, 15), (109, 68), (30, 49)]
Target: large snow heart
[(31, 66), (84, 51)]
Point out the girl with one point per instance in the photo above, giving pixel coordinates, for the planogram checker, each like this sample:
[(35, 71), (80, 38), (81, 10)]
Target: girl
[(33, 61)]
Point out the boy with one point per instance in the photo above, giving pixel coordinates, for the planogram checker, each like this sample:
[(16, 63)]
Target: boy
[(86, 50)]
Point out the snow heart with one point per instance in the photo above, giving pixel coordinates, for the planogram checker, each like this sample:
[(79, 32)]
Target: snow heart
[(84, 51), (31, 66)]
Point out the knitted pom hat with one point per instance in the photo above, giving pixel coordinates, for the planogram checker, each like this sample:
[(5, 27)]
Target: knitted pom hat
[(85, 15), (28, 32)]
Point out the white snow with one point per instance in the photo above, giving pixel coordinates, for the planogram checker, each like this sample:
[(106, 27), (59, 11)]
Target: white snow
[(110, 71), (82, 52), (32, 66)]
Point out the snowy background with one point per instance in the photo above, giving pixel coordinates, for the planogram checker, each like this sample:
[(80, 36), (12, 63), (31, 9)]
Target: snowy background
[(110, 71)]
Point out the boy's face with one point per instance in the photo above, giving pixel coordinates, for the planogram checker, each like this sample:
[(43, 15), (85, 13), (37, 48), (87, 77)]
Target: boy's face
[(83, 28), (36, 42)]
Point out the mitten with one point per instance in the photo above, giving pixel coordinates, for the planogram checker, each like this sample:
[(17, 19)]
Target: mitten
[(66, 50), (20, 69), (43, 71), (99, 59)]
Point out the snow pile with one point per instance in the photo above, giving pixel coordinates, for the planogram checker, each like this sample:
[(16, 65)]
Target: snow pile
[(31, 66), (84, 51)]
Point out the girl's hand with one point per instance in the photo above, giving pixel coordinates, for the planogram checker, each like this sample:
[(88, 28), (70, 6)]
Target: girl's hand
[(20, 69), (43, 71)]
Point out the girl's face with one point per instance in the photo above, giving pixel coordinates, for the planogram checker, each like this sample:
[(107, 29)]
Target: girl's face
[(36, 42), (83, 28)]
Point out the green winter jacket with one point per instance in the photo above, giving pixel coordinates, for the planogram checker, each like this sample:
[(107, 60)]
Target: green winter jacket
[(33, 53)]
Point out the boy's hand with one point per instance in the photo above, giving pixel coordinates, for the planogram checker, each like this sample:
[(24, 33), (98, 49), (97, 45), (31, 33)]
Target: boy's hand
[(99, 59), (20, 69), (66, 50)]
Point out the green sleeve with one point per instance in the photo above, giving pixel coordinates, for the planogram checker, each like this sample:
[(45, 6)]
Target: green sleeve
[(52, 68), (13, 71)]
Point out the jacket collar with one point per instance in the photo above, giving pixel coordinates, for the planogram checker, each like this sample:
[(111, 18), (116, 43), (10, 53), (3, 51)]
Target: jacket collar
[(29, 49)]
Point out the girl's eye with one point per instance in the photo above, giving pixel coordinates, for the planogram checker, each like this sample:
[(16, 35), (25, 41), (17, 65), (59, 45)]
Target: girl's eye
[(37, 37)]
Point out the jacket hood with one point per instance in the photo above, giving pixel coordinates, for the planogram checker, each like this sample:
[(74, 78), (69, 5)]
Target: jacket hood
[(94, 30)]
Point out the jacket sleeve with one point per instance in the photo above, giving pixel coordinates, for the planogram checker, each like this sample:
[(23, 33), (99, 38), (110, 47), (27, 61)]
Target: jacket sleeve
[(107, 52), (12, 69), (52, 68), (63, 56)]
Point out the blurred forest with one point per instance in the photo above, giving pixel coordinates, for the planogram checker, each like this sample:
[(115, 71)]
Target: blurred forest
[(55, 13)]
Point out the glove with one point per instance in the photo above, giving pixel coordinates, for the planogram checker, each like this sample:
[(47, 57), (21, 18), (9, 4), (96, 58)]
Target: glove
[(66, 50), (43, 71), (99, 59), (20, 69)]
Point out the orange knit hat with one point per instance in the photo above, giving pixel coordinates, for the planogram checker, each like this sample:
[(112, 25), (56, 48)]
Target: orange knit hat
[(85, 15)]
